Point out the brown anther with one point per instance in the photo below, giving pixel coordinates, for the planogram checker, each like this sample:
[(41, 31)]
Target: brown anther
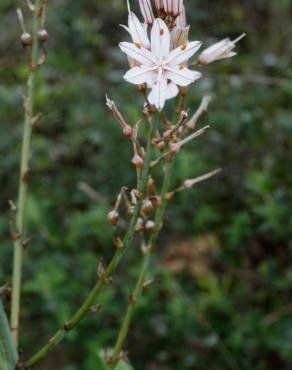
[(161, 31), (150, 226), (43, 35), (138, 45), (132, 298), (118, 243), (113, 217), (184, 46), (147, 207), (26, 39)]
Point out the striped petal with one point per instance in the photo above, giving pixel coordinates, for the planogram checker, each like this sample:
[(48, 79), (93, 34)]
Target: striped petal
[(138, 53), (182, 76), (183, 53), (160, 39), (139, 75)]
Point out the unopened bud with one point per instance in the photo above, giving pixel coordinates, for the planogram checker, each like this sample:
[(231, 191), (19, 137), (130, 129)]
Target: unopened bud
[(113, 217), (26, 39), (183, 90), (137, 161), (147, 207), (150, 185), (156, 201), (142, 87), (43, 35), (139, 224), (118, 243), (127, 131), (150, 226)]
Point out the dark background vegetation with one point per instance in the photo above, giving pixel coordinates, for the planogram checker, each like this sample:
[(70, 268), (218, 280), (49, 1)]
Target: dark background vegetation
[(222, 297)]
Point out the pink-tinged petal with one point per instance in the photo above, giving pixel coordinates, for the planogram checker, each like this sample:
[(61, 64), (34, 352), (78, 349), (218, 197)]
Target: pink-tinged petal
[(159, 4), (182, 76), (183, 53), (138, 53), (160, 39), (146, 10), (158, 93), (140, 75), (176, 7), (171, 90), (137, 31), (181, 20), (178, 36)]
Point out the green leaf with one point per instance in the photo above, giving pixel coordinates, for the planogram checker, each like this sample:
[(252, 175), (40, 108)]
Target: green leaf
[(8, 353)]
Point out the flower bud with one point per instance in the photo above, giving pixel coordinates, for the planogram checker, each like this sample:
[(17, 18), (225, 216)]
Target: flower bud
[(113, 217), (150, 185), (147, 207), (26, 39), (43, 35), (139, 224), (137, 161), (150, 226), (127, 131)]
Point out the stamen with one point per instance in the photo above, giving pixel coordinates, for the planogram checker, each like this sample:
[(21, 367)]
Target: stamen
[(161, 31), (138, 45), (184, 46)]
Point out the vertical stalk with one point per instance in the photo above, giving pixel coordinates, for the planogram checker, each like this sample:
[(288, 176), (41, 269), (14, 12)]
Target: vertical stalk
[(23, 180)]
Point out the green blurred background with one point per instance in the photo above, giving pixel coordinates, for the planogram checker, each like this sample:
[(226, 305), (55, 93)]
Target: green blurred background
[(222, 297)]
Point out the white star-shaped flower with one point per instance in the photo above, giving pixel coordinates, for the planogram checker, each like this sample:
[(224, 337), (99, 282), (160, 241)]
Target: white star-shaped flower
[(159, 67)]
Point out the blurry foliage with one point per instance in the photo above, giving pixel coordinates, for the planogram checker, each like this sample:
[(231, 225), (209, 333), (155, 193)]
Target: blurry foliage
[(241, 294)]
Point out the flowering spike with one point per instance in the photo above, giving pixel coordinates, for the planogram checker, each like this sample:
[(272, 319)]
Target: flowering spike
[(220, 50)]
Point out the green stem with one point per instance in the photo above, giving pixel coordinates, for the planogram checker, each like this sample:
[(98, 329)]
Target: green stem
[(144, 267), (130, 311), (114, 263), (23, 182)]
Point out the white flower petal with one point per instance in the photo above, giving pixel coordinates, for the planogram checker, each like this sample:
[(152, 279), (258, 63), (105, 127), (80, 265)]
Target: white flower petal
[(158, 93), (160, 39), (139, 75), (183, 53), (138, 53), (137, 31), (182, 76), (171, 90)]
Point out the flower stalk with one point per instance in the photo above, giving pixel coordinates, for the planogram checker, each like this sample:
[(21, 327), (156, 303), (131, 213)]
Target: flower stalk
[(29, 120)]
